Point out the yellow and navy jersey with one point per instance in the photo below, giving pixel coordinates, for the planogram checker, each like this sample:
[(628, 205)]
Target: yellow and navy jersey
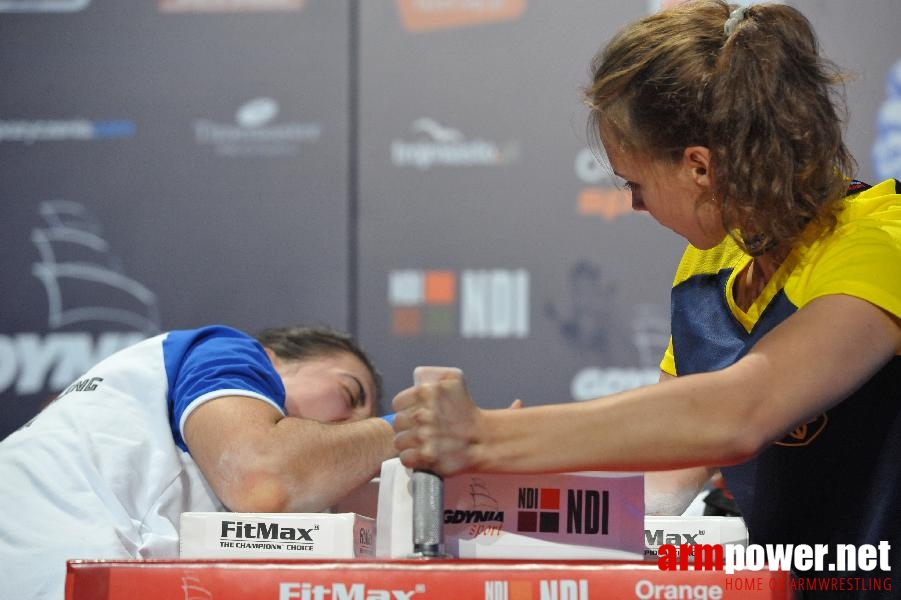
[(836, 478), (862, 258)]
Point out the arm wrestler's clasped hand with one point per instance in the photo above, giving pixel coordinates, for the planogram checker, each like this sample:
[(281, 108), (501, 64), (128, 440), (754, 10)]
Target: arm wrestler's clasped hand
[(437, 425)]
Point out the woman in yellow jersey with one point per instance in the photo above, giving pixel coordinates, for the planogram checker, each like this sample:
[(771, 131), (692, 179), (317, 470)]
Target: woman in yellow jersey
[(783, 369)]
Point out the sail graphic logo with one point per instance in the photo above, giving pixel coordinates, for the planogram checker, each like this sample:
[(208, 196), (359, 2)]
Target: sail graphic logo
[(471, 303), (86, 289)]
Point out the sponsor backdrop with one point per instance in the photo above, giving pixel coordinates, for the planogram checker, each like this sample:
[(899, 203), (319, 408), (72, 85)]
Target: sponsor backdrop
[(414, 171)]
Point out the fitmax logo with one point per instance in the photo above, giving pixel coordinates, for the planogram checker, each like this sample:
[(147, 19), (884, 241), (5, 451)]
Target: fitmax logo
[(288, 590), (659, 537), (587, 511), (261, 530)]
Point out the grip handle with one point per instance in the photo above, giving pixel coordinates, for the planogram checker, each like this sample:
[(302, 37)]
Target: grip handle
[(428, 488)]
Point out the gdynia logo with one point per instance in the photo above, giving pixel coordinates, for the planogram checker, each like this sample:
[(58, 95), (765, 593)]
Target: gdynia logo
[(38, 362), (539, 510), (472, 303)]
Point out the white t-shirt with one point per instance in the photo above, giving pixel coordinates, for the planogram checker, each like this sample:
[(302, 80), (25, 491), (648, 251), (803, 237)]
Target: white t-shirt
[(103, 471)]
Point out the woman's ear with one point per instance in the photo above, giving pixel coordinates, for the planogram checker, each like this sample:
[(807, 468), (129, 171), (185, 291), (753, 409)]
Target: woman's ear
[(697, 159)]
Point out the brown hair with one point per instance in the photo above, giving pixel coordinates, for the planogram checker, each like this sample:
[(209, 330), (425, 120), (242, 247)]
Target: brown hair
[(761, 98), (302, 343)]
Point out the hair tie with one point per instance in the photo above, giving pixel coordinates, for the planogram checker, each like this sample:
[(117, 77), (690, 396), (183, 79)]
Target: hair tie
[(735, 17)]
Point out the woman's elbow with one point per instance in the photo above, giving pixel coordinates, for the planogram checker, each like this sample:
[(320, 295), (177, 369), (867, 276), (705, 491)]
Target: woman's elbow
[(744, 443), (257, 492)]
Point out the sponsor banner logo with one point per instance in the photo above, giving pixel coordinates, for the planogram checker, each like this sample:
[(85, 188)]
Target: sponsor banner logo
[(37, 362), (471, 303), (43, 6), (625, 340), (266, 535), (64, 130), (184, 6), (437, 145), (255, 132), (548, 589), (547, 510), (594, 382), (800, 558), (509, 590), (291, 590), (602, 196), (86, 288), (431, 15)]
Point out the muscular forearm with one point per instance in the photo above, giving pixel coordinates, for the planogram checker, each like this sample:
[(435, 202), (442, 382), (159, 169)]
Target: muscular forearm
[(629, 431), (337, 459), (795, 372), (257, 460)]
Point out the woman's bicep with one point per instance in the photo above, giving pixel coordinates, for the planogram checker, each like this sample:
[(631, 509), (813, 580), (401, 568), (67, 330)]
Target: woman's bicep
[(815, 359), (228, 438)]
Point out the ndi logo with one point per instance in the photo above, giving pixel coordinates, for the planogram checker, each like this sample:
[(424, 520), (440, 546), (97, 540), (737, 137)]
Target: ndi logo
[(548, 589), (539, 510), (472, 303)]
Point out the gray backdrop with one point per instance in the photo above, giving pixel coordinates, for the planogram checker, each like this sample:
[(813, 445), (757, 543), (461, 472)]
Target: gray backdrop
[(414, 171)]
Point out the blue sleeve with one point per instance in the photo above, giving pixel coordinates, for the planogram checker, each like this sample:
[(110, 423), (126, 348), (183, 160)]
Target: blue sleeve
[(207, 363)]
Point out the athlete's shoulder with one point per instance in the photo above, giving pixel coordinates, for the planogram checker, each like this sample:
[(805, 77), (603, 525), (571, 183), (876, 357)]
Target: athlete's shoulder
[(877, 202), (218, 344), (695, 261)]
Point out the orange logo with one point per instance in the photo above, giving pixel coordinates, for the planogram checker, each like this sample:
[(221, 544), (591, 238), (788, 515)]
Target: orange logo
[(429, 15), (609, 203), (804, 434)]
